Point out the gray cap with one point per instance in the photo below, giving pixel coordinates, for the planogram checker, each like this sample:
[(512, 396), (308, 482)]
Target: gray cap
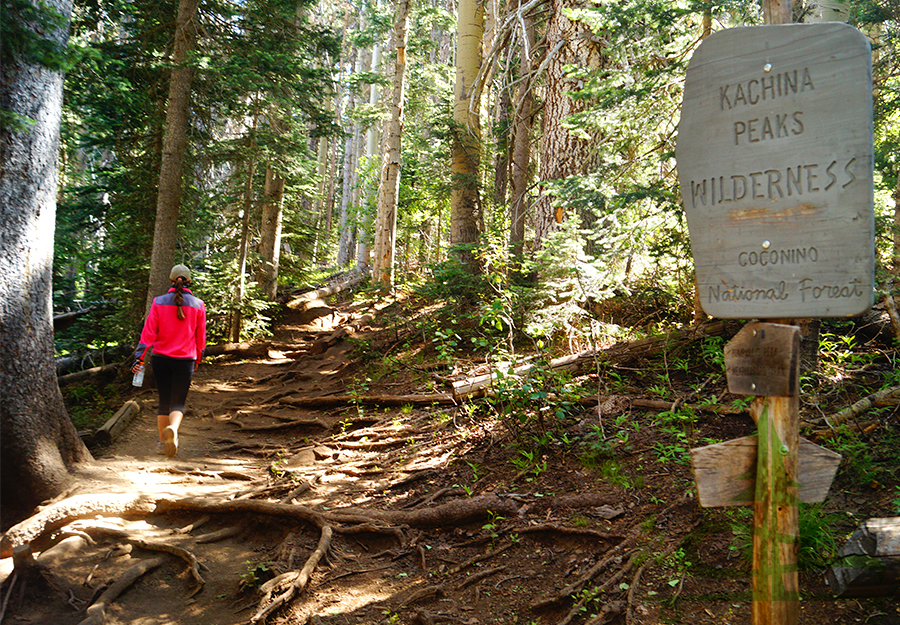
[(180, 271)]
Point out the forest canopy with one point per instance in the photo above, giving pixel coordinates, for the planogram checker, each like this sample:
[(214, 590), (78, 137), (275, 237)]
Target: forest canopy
[(290, 114)]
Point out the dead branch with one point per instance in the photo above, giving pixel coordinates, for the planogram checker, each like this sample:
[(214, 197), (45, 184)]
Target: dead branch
[(609, 583), (297, 581), (96, 614), (884, 397), (241, 350)]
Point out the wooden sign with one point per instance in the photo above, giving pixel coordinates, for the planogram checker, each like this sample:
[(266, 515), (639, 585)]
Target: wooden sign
[(759, 360), (775, 164), (726, 472)]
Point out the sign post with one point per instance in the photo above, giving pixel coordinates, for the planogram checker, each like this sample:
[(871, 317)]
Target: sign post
[(775, 165)]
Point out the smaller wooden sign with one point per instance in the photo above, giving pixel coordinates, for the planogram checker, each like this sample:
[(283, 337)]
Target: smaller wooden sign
[(726, 472), (761, 360)]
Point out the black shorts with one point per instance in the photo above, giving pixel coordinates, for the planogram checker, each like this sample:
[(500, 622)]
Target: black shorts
[(173, 379)]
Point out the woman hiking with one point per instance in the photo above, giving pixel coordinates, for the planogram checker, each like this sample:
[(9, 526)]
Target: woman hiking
[(175, 329)]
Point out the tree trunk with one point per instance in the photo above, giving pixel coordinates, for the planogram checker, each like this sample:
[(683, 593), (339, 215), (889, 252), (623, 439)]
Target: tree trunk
[(363, 254), (389, 187), (523, 120), (563, 153), (237, 316), (270, 233), (347, 241), (896, 261), (465, 205), (168, 201), (38, 442)]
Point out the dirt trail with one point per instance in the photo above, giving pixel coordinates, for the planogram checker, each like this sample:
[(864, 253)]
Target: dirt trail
[(444, 529)]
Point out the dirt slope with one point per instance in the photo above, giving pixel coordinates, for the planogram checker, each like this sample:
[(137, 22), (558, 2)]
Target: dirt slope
[(449, 524)]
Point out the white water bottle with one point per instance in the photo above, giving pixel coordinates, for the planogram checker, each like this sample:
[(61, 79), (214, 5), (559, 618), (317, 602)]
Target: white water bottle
[(138, 379)]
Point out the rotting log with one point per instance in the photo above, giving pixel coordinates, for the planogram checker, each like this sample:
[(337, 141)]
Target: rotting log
[(301, 302), (868, 565), (111, 430), (576, 363)]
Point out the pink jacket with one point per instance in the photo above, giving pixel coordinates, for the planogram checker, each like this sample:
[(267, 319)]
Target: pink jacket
[(170, 336)]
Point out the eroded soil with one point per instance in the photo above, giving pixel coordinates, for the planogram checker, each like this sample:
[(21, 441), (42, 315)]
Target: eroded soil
[(561, 509)]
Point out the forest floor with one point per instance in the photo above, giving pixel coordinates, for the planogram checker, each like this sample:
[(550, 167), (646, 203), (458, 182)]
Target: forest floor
[(429, 512)]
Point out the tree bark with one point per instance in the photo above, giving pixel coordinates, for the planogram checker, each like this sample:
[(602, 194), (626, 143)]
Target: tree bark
[(523, 120), (389, 188), (363, 253), (38, 443), (168, 201), (237, 315), (563, 153), (270, 233), (465, 203)]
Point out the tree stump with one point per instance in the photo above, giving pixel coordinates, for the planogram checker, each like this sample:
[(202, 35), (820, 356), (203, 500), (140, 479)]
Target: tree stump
[(868, 565)]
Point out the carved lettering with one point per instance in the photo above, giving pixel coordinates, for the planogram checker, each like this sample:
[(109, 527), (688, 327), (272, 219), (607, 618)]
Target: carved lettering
[(767, 88), (773, 184)]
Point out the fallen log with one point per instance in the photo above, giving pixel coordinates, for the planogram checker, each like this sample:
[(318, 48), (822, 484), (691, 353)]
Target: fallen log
[(868, 565), (248, 350), (576, 363), (302, 301), (89, 374), (110, 430)]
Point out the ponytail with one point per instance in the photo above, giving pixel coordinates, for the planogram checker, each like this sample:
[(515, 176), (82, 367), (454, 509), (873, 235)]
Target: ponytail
[(179, 296)]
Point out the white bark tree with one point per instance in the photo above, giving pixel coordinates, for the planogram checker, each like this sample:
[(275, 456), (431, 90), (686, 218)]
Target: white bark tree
[(465, 201), (389, 187)]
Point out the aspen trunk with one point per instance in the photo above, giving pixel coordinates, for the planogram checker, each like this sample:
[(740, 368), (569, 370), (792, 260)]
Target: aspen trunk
[(389, 187), (465, 215)]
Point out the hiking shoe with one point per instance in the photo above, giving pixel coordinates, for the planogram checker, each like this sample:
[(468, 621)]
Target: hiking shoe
[(170, 445), (160, 448)]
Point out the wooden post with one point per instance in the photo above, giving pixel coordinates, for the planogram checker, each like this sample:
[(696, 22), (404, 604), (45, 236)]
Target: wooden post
[(776, 590)]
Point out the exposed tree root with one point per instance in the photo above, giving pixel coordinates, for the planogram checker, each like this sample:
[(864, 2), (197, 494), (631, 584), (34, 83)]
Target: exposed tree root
[(175, 550), (291, 584), (96, 614), (68, 510)]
